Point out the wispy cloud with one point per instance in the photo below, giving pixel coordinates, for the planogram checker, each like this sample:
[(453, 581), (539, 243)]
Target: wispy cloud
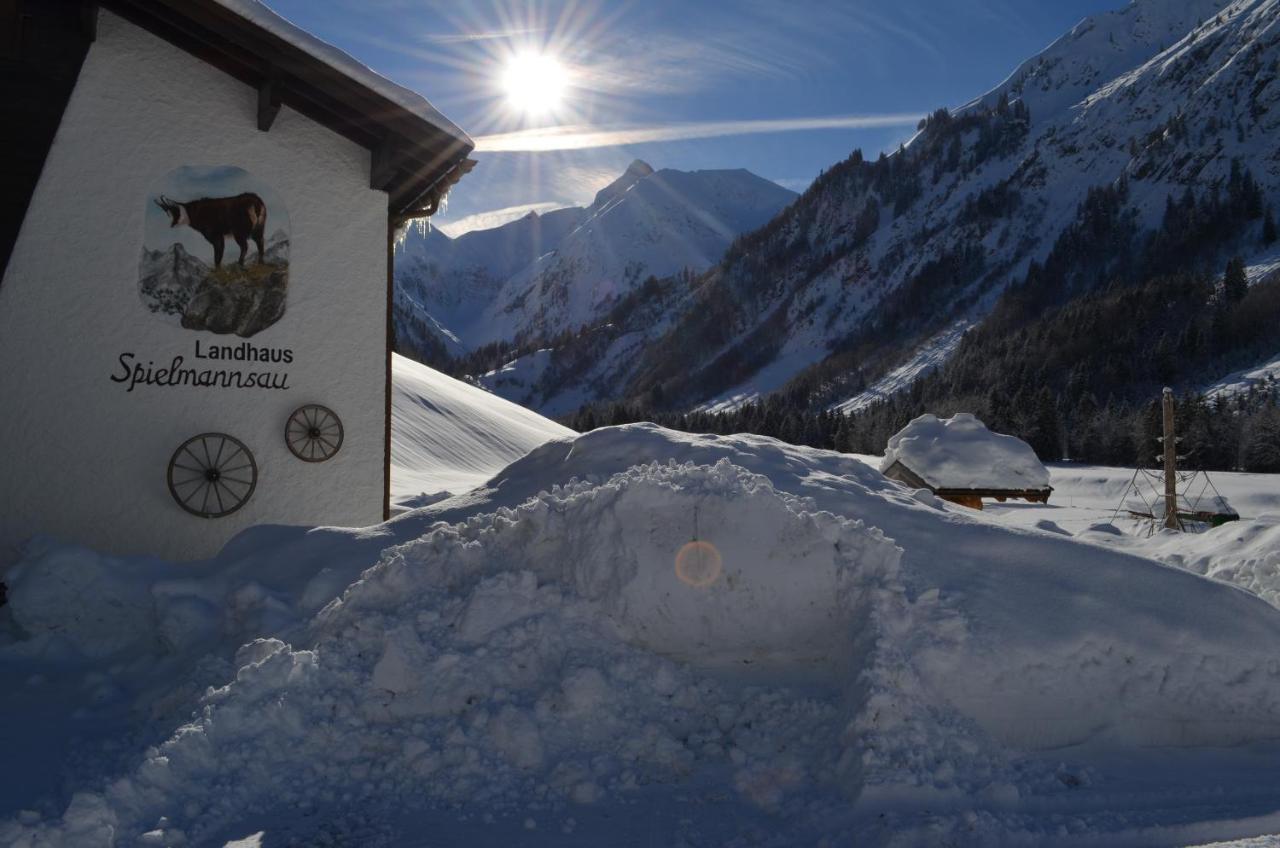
[(492, 218), (674, 64), (492, 35), (582, 137)]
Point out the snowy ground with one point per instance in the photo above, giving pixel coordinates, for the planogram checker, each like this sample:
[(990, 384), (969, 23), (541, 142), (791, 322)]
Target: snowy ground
[(1245, 552), (641, 637), (449, 437)]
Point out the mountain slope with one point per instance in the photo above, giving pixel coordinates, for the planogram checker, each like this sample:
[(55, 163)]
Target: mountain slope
[(449, 437), (1159, 102), (662, 223), (978, 195), (444, 283), (542, 275)]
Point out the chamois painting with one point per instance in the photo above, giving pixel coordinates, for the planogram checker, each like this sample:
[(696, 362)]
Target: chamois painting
[(215, 254)]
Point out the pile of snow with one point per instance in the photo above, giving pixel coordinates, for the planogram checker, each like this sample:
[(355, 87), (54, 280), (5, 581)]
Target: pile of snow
[(449, 437), (1092, 502), (1243, 553), (961, 453), (552, 652), (759, 626)]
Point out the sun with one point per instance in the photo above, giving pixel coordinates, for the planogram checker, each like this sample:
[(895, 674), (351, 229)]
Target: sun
[(534, 83)]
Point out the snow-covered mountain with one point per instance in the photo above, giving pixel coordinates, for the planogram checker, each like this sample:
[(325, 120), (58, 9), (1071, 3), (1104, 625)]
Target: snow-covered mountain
[(542, 275), (871, 271)]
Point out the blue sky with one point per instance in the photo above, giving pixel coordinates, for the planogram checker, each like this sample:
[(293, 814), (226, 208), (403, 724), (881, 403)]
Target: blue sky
[(702, 76)]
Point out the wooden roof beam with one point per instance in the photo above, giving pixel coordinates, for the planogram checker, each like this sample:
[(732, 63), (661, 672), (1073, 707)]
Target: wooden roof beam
[(384, 165), (268, 101)]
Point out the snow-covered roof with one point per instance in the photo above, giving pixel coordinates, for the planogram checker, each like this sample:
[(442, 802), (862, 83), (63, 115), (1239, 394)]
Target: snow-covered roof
[(961, 453), (418, 153), (259, 15)]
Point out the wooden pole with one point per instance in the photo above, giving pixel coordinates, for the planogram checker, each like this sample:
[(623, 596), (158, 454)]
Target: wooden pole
[(1170, 465)]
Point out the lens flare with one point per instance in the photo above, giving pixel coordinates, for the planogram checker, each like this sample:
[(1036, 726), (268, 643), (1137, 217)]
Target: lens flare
[(698, 564)]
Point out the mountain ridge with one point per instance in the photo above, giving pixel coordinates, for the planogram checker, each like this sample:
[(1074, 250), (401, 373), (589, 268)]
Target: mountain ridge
[(879, 259), (548, 273)]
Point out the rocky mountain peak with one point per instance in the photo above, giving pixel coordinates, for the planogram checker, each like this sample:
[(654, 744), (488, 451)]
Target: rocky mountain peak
[(636, 171)]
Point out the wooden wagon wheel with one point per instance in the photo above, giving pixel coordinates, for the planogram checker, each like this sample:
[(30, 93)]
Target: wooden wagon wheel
[(313, 433), (212, 475)]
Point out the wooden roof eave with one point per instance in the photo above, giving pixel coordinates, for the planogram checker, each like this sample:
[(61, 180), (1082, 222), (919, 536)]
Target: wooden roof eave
[(996, 493), (901, 472), (417, 155)]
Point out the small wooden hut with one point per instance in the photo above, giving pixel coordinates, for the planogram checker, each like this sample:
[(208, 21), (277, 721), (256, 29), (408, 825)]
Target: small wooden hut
[(961, 461)]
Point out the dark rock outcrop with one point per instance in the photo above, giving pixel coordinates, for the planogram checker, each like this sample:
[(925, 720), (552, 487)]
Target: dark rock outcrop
[(240, 305)]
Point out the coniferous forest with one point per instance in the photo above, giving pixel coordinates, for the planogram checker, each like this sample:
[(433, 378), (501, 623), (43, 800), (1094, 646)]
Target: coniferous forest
[(1074, 356)]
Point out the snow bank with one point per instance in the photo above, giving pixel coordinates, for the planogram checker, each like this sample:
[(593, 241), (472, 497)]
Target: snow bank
[(1243, 553), (448, 436), (558, 651), (961, 453), (592, 627)]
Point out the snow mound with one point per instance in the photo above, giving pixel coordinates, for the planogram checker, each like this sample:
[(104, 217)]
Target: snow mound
[(1243, 553), (638, 611), (559, 651), (448, 436), (961, 453)]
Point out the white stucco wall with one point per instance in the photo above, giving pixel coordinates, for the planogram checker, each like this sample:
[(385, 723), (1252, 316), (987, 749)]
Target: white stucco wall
[(85, 460)]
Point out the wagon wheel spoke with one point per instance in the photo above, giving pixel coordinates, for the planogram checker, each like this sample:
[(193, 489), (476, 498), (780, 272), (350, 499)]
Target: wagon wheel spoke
[(195, 493), (240, 451)]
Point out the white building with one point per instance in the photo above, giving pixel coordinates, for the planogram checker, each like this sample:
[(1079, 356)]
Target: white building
[(191, 133)]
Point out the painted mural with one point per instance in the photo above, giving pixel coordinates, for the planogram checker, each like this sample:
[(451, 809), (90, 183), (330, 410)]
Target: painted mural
[(215, 254)]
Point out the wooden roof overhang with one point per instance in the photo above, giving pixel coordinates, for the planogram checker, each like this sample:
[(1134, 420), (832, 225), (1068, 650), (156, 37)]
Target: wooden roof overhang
[(899, 471), (1034, 495), (413, 160)]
